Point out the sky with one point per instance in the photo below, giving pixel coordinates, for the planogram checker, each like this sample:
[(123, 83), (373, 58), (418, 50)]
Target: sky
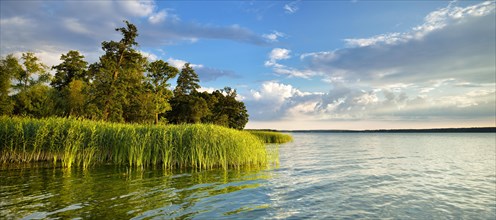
[(296, 64)]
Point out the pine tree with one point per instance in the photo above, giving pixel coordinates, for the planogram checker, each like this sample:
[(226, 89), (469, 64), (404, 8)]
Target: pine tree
[(187, 82)]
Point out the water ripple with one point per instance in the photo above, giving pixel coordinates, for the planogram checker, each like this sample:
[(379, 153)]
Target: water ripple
[(320, 176)]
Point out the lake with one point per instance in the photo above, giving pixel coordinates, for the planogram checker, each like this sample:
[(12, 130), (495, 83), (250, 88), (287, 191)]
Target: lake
[(319, 176)]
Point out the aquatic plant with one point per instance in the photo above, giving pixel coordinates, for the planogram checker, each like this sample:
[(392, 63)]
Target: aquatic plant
[(75, 142), (271, 137)]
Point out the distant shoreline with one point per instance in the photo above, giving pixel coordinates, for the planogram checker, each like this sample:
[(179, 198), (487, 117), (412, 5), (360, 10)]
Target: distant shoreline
[(430, 130)]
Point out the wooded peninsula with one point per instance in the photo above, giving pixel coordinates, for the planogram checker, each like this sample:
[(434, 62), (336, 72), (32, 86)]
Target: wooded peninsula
[(121, 110)]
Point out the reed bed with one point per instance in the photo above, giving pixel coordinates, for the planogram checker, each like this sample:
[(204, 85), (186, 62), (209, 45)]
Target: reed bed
[(272, 137), (73, 142)]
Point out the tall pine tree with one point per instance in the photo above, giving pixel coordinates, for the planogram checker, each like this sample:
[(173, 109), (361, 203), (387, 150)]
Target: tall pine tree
[(187, 82)]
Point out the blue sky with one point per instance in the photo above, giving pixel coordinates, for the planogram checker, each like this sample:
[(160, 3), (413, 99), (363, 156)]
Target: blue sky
[(296, 64)]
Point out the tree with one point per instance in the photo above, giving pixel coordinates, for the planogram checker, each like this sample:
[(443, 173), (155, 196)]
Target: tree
[(187, 105), (118, 77), (187, 82), (228, 111), (71, 78), (159, 72), (33, 98), (9, 67), (25, 77), (73, 67)]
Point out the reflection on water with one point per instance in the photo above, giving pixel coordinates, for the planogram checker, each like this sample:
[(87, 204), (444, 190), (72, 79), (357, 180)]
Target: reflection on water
[(420, 176), (111, 192)]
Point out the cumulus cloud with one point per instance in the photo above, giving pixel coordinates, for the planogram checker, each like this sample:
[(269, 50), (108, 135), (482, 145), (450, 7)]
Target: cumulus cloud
[(279, 54), (272, 100), (277, 101)]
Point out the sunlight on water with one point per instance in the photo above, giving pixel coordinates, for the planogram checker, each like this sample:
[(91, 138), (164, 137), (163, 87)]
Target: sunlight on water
[(421, 176)]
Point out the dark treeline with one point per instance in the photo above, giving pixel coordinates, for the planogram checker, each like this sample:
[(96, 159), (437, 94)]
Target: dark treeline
[(123, 86), (432, 130)]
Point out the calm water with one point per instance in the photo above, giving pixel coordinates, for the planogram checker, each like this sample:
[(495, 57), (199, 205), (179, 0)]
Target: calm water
[(320, 176)]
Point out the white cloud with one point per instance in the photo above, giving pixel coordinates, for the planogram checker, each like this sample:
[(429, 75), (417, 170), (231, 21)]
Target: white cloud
[(390, 38), (279, 54), (283, 54), (139, 8), (274, 36), (327, 55), (150, 56), (292, 72), (157, 17), (433, 21), (179, 64), (277, 101), (274, 92), (458, 46), (207, 89), (291, 7), (273, 99)]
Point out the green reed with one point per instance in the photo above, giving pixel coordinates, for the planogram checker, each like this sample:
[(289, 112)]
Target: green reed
[(83, 143), (272, 137)]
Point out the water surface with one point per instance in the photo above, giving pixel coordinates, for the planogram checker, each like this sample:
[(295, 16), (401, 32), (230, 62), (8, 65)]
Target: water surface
[(320, 176)]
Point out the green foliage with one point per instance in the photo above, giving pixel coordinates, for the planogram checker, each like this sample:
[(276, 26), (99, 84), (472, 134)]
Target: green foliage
[(212, 108), (9, 67), (33, 98), (70, 80), (32, 72), (118, 77), (73, 67), (34, 101), (187, 82), (159, 72), (75, 97), (224, 109), (230, 108), (188, 109), (272, 137), (85, 143)]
